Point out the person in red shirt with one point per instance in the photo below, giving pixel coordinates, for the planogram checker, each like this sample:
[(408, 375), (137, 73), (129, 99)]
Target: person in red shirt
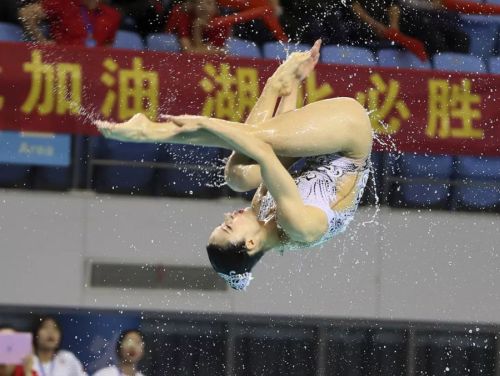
[(190, 21), (72, 22)]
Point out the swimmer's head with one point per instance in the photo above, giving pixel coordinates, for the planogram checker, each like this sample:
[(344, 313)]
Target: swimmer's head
[(233, 263), (239, 226), (235, 247)]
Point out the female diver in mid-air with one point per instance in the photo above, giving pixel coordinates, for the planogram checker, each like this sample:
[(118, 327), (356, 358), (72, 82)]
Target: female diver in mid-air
[(334, 136)]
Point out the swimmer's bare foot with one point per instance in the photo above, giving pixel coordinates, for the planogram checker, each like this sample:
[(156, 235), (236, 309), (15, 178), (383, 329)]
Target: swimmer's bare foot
[(127, 131), (296, 68), (305, 69)]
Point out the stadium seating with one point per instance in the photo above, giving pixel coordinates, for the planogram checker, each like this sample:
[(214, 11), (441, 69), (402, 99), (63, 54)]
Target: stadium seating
[(347, 55), (15, 176), (455, 354), (346, 349), (482, 33), (276, 50), (193, 171), (403, 59), (240, 47), (494, 65), (53, 178), (64, 178), (123, 179), (128, 40), (419, 194), (450, 61), (163, 42), (196, 182), (10, 32), (473, 171)]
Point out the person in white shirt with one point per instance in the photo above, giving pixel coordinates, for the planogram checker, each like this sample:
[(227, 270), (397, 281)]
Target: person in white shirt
[(129, 352), (49, 359)]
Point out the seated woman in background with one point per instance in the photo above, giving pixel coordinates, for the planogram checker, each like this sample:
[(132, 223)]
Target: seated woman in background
[(129, 352), (333, 136), (49, 358)]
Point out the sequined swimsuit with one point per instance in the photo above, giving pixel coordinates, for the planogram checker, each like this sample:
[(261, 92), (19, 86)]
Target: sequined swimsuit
[(317, 183)]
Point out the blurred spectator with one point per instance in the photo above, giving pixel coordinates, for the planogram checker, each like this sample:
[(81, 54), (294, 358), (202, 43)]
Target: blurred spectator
[(75, 22), (375, 17), (260, 19), (129, 352), (438, 28), (49, 359), (190, 21), (16, 370), (142, 16)]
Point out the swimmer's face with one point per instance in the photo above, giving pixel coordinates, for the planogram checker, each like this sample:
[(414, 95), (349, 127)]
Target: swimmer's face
[(240, 225), (49, 335)]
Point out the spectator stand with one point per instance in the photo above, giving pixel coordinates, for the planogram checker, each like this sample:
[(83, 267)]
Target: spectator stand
[(396, 58), (280, 51), (318, 347), (128, 40), (347, 55), (163, 42), (242, 48), (388, 167), (483, 33), (10, 32), (154, 169)]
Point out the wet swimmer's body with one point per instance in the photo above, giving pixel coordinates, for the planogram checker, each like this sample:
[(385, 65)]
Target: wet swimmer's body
[(334, 136)]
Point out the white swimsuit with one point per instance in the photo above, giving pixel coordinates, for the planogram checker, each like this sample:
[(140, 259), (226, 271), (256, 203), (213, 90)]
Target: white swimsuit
[(317, 183)]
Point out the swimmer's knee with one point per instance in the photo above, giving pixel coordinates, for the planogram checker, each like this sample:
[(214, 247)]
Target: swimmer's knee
[(234, 178), (238, 178)]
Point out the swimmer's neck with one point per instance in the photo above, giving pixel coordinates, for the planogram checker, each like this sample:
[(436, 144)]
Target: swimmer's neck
[(271, 236)]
